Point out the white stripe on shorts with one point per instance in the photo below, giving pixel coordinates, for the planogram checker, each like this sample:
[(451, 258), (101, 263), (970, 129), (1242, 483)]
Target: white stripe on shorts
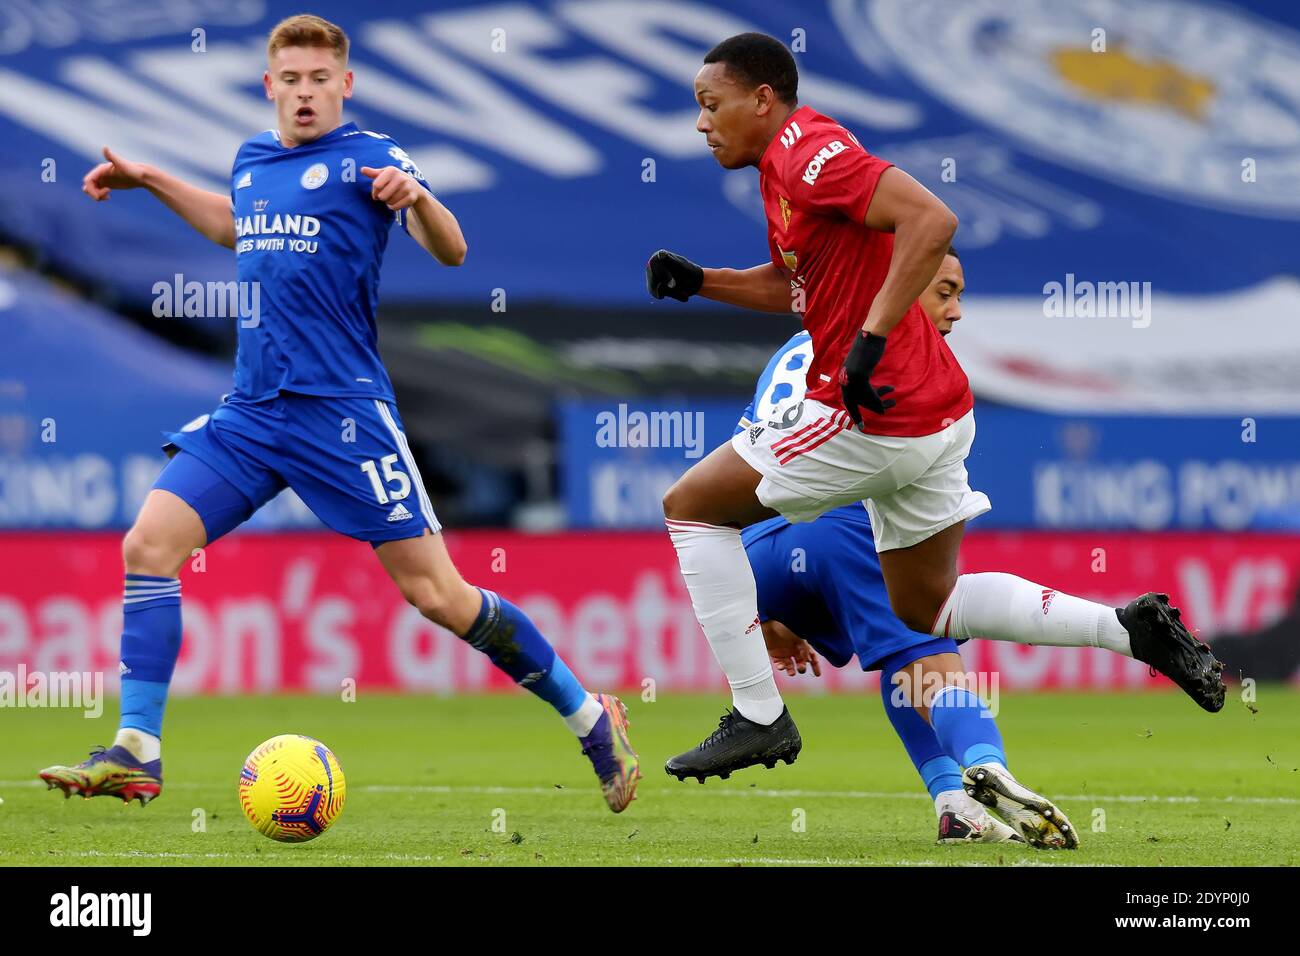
[(403, 449)]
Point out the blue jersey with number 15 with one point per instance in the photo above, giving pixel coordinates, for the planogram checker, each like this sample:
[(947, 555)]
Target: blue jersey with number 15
[(309, 242)]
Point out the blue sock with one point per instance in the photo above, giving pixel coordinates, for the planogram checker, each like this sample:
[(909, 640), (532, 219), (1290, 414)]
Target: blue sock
[(151, 642), (938, 771), (512, 642), (965, 728)]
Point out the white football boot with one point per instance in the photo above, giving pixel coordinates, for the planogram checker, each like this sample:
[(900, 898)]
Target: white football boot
[(1034, 817)]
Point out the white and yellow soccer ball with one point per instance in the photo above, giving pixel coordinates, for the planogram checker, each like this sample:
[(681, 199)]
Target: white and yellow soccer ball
[(292, 788)]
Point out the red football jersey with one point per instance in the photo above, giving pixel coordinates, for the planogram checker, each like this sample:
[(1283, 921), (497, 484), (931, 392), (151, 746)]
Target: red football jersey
[(817, 182)]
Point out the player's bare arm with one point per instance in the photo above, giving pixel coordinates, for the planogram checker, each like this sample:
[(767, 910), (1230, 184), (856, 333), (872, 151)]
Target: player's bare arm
[(764, 288), (208, 212), (431, 223), (923, 228)]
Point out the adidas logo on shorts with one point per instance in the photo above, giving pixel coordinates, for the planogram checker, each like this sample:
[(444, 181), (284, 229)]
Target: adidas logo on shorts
[(399, 513), (754, 433)]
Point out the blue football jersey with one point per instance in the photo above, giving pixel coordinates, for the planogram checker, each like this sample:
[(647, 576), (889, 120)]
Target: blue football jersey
[(782, 382), (311, 238)]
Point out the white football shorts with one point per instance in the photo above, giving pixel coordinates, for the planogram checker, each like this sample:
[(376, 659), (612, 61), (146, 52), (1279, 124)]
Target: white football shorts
[(813, 460)]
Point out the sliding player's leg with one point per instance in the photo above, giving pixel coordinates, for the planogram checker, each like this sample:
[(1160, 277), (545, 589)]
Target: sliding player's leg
[(840, 606), (938, 689), (821, 580), (704, 512), (961, 818), (349, 460), (191, 505), (918, 531)]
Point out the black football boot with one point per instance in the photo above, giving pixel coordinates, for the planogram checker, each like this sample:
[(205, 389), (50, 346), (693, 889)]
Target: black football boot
[(1160, 640), (736, 744)]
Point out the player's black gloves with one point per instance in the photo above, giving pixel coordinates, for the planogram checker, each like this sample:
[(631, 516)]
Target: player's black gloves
[(668, 274), (855, 378)]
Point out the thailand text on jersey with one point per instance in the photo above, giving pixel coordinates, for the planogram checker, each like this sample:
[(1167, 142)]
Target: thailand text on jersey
[(817, 182), (308, 233)]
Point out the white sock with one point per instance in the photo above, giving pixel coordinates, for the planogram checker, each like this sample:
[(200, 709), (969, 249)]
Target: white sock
[(144, 747), (1003, 607), (959, 801), (584, 718), (725, 598)]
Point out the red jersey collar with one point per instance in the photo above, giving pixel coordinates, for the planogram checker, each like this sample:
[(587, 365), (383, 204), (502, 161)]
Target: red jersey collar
[(768, 160)]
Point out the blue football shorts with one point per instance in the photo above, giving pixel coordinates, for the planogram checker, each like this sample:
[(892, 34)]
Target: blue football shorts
[(822, 580), (347, 458)]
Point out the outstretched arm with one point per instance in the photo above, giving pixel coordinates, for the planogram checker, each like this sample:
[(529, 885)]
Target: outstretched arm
[(208, 212), (430, 222)]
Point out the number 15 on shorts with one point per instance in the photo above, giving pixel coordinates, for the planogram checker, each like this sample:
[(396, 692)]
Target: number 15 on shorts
[(384, 495)]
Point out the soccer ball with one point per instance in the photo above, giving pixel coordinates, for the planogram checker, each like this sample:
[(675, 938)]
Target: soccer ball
[(292, 788)]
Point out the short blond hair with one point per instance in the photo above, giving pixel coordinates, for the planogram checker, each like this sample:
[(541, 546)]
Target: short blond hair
[(306, 29)]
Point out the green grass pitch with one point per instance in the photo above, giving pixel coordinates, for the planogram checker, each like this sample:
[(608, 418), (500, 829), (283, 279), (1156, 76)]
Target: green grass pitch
[(1147, 779)]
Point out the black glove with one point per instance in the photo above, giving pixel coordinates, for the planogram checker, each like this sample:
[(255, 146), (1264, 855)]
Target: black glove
[(668, 274), (855, 378)]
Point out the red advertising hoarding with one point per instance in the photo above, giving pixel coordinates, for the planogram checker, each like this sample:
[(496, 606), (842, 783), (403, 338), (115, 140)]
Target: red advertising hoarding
[(304, 612)]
